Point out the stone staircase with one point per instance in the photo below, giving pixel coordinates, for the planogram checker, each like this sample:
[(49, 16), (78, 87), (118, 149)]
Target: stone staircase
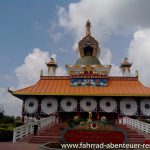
[(50, 133), (133, 136)]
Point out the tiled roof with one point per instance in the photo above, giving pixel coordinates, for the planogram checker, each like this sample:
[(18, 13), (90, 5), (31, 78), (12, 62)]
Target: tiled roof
[(117, 86)]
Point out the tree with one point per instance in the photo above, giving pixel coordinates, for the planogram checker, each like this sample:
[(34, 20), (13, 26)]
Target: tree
[(1, 111)]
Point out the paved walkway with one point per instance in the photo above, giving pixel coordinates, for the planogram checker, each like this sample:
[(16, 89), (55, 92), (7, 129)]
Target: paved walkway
[(18, 146)]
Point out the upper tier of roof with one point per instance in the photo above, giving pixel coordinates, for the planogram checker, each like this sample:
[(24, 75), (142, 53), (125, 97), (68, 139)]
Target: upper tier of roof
[(60, 85)]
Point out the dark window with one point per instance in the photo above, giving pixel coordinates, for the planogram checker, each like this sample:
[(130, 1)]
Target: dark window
[(68, 103), (49, 105), (88, 51), (108, 104), (88, 104), (147, 106), (128, 106), (31, 104)]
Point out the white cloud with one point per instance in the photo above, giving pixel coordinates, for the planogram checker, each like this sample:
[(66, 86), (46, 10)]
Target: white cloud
[(27, 74), (53, 56), (105, 56), (12, 105), (54, 33), (107, 16), (60, 70), (115, 70), (139, 54), (106, 59)]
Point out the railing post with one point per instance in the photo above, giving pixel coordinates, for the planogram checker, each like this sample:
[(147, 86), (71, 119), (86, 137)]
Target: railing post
[(55, 119), (14, 136), (52, 119), (24, 130), (120, 121), (124, 120), (146, 129)]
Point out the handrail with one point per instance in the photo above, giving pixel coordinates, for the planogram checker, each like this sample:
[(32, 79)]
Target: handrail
[(24, 130), (142, 126)]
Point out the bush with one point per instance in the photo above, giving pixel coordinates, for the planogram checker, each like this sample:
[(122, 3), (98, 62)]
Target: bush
[(72, 123), (144, 120), (6, 135), (6, 126), (7, 120), (18, 123)]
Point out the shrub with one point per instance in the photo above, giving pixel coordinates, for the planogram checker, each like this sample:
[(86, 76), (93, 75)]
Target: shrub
[(18, 123), (7, 120), (4, 126), (72, 123), (144, 120), (6, 135)]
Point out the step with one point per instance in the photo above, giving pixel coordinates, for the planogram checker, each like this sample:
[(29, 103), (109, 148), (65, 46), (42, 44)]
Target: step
[(138, 136), (133, 136)]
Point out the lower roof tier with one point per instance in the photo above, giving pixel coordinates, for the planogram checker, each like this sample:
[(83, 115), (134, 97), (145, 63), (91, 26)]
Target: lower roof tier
[(60, 85)]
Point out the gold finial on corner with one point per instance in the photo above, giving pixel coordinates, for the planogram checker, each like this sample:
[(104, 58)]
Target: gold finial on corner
[(136, 73), (88, 28), (41, 73)]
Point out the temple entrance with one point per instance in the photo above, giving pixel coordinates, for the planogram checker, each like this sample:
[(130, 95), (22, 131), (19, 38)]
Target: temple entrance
[(65, 116), (85, 115), (110, 117)]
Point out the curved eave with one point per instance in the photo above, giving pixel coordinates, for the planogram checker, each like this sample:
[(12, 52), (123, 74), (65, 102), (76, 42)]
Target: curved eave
[(76, 94), (60, 86)]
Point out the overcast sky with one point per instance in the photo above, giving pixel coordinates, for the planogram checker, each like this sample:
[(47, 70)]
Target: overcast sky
[(33, 31)]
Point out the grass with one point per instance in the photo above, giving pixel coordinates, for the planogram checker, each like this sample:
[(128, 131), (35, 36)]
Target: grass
[(144, 120)]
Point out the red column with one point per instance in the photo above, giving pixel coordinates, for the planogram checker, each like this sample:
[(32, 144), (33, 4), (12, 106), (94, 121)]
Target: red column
[(78, 109), (97, 116)]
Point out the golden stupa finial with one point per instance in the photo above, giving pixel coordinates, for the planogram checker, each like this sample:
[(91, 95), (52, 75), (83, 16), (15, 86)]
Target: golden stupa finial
[(88, 28)]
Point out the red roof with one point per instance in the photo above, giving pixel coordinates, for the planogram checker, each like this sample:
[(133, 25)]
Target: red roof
[(60, 85)]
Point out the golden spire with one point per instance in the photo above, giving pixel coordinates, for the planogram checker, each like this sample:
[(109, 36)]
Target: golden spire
[(88, 26)]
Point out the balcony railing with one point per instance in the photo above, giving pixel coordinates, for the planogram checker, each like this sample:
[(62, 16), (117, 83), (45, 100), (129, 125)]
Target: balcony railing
[(27, 129), (141, 126)]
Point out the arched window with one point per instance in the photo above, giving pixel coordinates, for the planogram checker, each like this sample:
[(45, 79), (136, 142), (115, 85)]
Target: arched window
[(88, 104), (128, 106), (88, 51), (31, 104), (108, 104), (147, 106), (68, 103), (49, 104)]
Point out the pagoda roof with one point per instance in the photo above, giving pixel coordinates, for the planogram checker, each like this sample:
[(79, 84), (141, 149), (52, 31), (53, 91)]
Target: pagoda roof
[(60, 86)]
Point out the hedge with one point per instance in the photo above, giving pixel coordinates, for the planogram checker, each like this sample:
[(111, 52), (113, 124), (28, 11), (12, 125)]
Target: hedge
[(6, 135), (144, 120)]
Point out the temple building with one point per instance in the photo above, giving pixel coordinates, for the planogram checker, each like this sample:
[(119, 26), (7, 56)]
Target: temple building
[(88, 87)]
